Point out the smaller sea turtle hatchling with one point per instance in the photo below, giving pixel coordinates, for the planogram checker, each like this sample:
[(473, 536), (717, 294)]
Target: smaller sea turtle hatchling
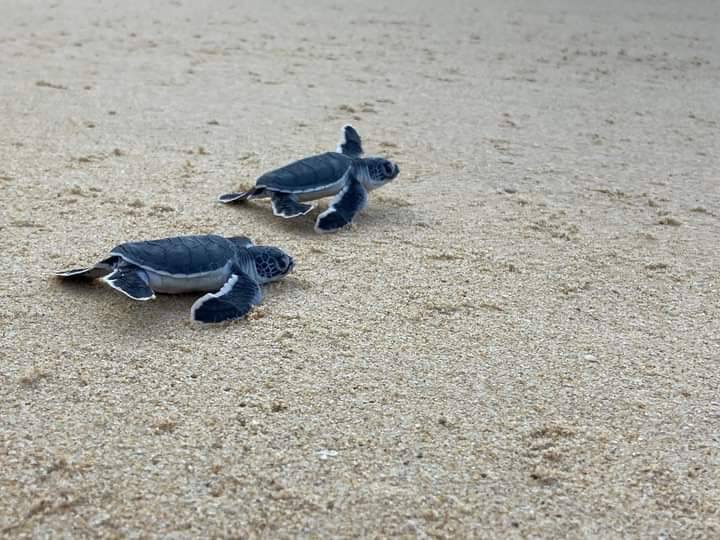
[(344, 173), (232, 268)]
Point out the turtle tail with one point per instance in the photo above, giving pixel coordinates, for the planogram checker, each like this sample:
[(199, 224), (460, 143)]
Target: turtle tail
[(242, 196)]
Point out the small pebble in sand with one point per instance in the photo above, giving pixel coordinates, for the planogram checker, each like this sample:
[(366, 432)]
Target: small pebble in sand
[(46, 84), (324, 454), (278, 406), (669, 220)]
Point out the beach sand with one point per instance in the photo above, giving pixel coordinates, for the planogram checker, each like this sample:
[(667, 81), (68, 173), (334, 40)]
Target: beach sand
[(518, 338)]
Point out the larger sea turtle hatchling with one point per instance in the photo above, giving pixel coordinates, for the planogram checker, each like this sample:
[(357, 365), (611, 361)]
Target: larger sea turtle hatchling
[(344, 173), (232, 268)]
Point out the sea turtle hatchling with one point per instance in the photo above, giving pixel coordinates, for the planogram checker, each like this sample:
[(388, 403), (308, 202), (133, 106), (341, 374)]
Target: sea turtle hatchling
[(233, 268), (343, 173)]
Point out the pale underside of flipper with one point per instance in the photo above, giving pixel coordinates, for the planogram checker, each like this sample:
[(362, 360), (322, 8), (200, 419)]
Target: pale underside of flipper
[(350, 143), (344, 207), (233, 301), (132, 281), (287, 206)]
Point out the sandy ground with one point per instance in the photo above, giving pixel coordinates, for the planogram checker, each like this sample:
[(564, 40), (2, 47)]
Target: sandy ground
[(519, 337)]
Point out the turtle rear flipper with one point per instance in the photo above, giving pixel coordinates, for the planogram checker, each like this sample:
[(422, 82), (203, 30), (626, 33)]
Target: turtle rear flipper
[(343, 208), (242, 196), (103, 268), (132, 281), (350, 143), (233, 301), (287, 206)]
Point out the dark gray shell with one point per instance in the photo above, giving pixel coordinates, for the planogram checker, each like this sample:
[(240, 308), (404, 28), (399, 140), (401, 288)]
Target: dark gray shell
[(309, 174), (181, 255)]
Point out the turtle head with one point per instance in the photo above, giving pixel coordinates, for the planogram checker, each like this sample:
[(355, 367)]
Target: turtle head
[(271, 263), (380, 171)]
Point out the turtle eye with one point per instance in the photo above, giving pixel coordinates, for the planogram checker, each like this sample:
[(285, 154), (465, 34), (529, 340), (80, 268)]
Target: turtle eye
[(284, 264), (388, 168)]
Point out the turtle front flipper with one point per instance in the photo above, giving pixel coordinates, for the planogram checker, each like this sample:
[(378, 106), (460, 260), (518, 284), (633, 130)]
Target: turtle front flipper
[(242, 196), (350, 143), (343, 208), (103, 268), (132, 281), (286, 205), (233, 301)]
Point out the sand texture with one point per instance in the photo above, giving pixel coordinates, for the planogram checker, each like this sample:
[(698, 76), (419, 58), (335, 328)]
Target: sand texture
[(520, 337)]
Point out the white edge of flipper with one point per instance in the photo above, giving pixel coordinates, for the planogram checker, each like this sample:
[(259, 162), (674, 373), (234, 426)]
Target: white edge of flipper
[(279, 214), (336, 200), (70, 273), (226, 288), (342, 140), (111, 283)]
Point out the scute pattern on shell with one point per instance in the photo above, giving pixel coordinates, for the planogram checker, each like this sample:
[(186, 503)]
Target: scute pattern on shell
[(307, 174), (179, 255)]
